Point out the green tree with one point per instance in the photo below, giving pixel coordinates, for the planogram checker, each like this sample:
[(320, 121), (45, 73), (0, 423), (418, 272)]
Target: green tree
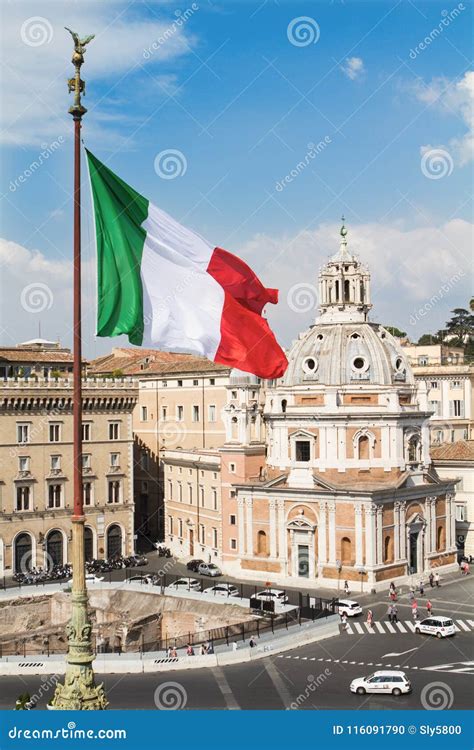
[(461, 326), (428, 338), (396, 332)]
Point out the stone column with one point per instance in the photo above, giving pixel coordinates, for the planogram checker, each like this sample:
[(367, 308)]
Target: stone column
[(282, 549), (370, 534), (396, 531), (332, 531), (403, 533), (433, 525), (322, 534), (450, 533), (249, 520), (359, 549), (241, 525), (379, 535), (273, 538)]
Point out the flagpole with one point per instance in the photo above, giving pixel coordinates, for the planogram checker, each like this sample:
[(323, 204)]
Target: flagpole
[(79, 691)]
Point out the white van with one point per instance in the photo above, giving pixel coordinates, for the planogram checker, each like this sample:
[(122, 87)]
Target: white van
[(438, 626)]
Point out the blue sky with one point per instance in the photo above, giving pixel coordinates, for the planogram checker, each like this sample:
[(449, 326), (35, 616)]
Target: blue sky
[(231, 91)]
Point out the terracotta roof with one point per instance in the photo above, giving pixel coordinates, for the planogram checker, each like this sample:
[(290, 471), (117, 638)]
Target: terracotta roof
[(462, 450), (28, 355), (134, 362)]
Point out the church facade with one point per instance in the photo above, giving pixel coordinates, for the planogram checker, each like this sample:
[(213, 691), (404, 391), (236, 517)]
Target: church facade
[(326, 476)]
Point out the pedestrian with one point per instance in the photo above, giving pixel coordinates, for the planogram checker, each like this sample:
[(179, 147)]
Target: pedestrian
[(421, 588), (252, 643), (346, 588), (466, 569), (189, 650), (392, 587), (370, 618), (234, 646), (203, 649), (414, 609), (390, 612), (437, 580), (411, 595), (210, 648), (431, 580), (462, 566), (395, 614), (343, 622), (174, 653), (429, 608)]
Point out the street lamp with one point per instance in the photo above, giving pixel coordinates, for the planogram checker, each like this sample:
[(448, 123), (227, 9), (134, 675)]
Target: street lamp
[(362, 574), (339, 568)]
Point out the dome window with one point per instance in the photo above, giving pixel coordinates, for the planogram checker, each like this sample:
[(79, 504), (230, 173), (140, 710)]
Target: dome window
[(320, 336), (310, 365), (360, 364), (399, 363), (355, 336)]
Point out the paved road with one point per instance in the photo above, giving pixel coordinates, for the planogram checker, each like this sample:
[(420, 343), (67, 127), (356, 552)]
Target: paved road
[(314, 676)]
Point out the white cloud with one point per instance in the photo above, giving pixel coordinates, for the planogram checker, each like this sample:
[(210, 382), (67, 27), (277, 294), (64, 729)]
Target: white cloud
[(353, 68), (34, 99), (452, 98)]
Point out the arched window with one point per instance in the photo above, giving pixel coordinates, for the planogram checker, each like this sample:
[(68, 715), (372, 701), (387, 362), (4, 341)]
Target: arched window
[(262, 543), (388, 549), (440, 539), (362, 291), (346, 550), (347, 290), (23, 553), (413, 449), (363, 448), (114, 541), (88, 544), (54, 548), (283, 405)]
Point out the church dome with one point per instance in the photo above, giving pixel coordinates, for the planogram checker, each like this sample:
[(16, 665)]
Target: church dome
[(347, 354), (343, 347)]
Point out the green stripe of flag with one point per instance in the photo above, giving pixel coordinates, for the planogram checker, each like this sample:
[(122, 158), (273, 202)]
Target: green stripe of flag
[(119, 214)]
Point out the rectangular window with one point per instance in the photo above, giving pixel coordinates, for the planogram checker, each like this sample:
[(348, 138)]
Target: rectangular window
[(144, 413), (87, 493), (233, 395), (180, 492), (422, 360), (86, 432), (214, 538), (201, 490), (23, 433), (170, 489), (212, 381), (113, 491), (460, 512), (233, 543), (56, 463), (434, 384), (54, 432), (24, 463), (86, 460), (195, 382), (202, 533), (232, 494), (195, 413), (190, 494), (456, 384), (164, 384), (232, 520), (456, 408), (212, 413), (436, 407), (23, 498), (170, 525), (54, 495), (180, 383), (179, 413), (180, 528), (144, 460), (302, 450), (114, 460), (232, 468), (214, 499), (114, 430), (164, 412)]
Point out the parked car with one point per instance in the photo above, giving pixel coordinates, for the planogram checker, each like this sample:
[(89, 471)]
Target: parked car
[(349, 607), (92, 578), (438, 626), (223, 589), (209, 569), (189, 584), (194, 565), (272, 595), (145, 579), (385, 681)]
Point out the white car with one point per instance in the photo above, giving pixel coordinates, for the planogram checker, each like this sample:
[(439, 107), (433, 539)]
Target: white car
[(209, 569), (191, 584), (272, 595), (349, 607), (386, 681), (438, 626), (92, 578), (223, 589)]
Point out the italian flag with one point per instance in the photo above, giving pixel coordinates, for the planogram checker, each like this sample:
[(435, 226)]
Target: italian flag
[(163, 285)]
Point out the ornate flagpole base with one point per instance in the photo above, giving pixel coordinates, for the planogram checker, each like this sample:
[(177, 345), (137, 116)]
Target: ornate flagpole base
[(79, 692)]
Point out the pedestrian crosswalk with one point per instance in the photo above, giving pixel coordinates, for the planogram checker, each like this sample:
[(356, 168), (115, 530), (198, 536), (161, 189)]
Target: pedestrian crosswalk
[(406, 626)]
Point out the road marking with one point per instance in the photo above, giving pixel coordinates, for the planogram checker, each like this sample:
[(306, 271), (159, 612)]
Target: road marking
[(400, 627), (463, 625), (410, 625), (471, 623), (225, 689), (277, 681), (349, 629), (358, 627), (379, 627), (369, 628), (390, 627), (400, 653)]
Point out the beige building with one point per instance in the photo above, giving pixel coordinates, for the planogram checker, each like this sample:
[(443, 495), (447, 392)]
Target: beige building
[(36, 454), (36, 358), (457, 460)]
